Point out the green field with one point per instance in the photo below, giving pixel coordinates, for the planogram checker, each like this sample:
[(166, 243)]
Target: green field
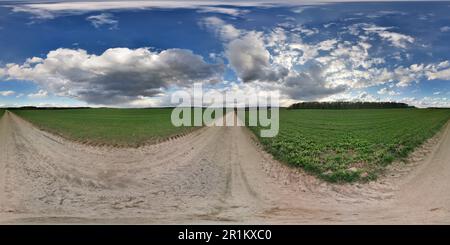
[(119, 127), (350, 145)]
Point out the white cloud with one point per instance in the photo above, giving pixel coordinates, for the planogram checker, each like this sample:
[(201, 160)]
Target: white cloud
[(223, 30), (333, 66), (445, 29), (54, 9), (7, 93), (281, 60), (347, 64), (364, 96), (396, 39), (268, 60), (277, 59), (442, 74), (306, 31), (427, 101), (221, 10), (49, 9), (301, 9), (387, 91), (291, 52), (241, 90), (382, 91), (39, 94), (350, 64), (355, 96), (251, 60), (118, 75), (277, 68), (329, 25), (439, 71), (415, 72), (103, 19)]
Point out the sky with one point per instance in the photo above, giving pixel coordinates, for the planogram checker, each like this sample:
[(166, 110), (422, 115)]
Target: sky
[(138, 53)]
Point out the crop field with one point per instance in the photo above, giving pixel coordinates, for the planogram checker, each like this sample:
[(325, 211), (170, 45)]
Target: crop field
[(350, 145), (118, 127)]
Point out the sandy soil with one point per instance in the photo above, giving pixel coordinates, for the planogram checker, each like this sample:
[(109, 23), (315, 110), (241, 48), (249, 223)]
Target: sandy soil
[(213, 175)]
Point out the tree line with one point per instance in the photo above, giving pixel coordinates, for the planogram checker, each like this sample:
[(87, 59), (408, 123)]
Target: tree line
[(348, 105)]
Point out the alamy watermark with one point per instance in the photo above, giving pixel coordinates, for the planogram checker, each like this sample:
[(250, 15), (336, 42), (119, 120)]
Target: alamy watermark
[(230, 108)]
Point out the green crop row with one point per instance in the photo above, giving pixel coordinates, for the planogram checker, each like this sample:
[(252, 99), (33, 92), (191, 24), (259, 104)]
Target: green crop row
[(119, 127), (351, 145)]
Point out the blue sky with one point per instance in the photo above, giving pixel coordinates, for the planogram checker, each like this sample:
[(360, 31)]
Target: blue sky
[(138, 53)]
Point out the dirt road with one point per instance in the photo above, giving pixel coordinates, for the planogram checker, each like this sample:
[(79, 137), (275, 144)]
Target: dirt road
[(213, 175)]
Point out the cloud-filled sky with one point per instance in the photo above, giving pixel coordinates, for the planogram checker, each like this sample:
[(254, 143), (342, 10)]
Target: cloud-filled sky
[(138, 53)]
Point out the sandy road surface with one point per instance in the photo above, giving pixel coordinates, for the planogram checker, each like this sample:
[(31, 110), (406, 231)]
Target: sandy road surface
[(215, 174)]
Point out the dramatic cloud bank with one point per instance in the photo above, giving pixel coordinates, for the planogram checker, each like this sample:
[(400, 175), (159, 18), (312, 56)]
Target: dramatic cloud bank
[(118, 75), (305, 51), (281, 60)]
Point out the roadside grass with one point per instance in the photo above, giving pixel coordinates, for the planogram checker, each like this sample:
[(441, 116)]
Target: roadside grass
[(116, 127), (350, 145), (1, 112)]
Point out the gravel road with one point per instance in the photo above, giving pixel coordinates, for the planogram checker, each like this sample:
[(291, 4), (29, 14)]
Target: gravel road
[(212, 175)]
